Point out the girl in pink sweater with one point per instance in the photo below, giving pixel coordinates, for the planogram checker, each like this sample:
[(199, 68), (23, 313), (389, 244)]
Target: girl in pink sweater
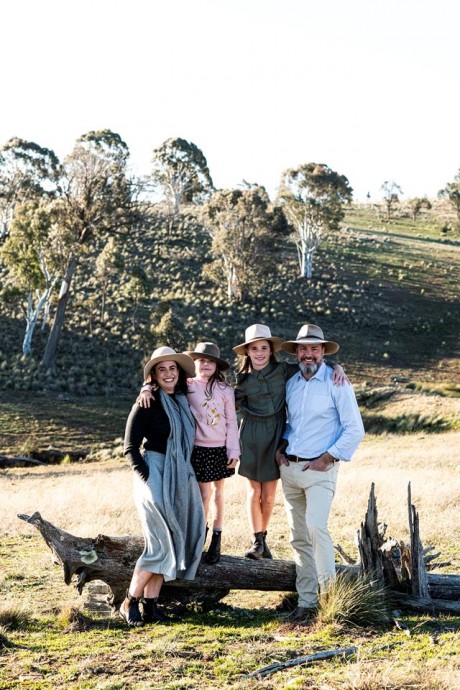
[(217, 448)]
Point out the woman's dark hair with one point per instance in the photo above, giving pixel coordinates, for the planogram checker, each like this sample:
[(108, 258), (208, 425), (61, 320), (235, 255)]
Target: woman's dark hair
[(245, 368), (181, 385)]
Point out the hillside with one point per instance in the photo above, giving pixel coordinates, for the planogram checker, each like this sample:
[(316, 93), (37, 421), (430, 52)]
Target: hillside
[(387, 292)]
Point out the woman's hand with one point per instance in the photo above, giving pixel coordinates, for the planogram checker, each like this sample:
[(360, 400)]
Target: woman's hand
[(339, 377), (281, 458), (145, 398), (232, 463)]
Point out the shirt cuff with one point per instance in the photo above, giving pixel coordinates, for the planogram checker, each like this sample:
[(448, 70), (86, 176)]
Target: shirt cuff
[(334, 451)]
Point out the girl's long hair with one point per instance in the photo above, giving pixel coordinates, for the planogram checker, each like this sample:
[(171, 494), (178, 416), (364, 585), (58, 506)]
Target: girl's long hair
[(217, 379), (245, 368)]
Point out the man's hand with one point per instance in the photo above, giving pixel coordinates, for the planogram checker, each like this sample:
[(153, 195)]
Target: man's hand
[(145, 398), (280, 457), (232, 463), (339, 377), (321, 464)]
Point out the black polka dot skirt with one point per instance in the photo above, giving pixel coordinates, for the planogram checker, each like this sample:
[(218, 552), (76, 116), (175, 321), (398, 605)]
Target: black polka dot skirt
[(210, 464)]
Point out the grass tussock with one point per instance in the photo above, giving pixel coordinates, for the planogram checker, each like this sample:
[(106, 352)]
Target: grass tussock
[(394, 675), (445, 390), (71, 619), (353, 602), (407, 424), (13, 617)]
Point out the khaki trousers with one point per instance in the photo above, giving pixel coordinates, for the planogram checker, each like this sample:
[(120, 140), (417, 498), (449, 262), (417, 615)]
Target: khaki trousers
[(307, 499)]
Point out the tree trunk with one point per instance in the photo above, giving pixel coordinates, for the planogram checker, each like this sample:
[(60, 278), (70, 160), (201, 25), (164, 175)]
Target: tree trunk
[(112, 560), (32, 315), (49, 357)]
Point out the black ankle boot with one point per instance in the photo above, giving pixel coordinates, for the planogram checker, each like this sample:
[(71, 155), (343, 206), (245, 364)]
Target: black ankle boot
[(213, 555), (257, 550), (129, 611), (266, 553), (151, 613)]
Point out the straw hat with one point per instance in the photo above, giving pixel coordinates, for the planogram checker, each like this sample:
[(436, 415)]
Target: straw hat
[(209, 351), (166, 354), (310, 335), (258, 332)]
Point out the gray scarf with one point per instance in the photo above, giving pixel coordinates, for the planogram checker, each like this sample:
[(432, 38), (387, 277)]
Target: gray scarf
[(181, 494)]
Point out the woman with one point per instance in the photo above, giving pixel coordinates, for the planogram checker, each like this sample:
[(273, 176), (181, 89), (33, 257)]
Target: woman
[(166, 492)]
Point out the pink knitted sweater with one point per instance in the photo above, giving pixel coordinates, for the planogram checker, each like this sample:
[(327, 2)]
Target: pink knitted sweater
[(215, 418)]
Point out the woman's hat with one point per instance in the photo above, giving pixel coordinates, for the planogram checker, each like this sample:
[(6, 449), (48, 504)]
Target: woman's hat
[(258, 332), (209, 351), (310, 335), (166, 354)]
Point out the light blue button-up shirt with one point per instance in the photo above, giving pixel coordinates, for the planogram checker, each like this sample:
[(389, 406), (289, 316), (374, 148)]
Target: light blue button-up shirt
[(322, 417)]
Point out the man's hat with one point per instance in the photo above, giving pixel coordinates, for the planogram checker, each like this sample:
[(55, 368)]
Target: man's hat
[(310, 335)]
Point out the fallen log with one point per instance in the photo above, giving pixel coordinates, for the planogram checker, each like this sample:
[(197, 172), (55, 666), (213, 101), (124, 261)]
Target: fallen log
[(7, 461), (112, 559)]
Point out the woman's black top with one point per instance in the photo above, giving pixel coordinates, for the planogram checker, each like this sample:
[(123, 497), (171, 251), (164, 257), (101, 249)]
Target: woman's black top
[(147, 426)]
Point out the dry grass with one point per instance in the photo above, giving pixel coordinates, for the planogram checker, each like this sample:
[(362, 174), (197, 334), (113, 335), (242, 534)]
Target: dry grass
[(93, 498)]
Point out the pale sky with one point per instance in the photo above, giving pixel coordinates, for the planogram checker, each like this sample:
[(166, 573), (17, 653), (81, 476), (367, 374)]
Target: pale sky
[(371, 88)]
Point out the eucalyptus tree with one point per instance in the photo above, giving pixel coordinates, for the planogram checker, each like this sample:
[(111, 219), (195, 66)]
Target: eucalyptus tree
[(27, 171), (313, 198), (391, 192), (417, 204), (451, 192), (33, 252), (181, 171), (245, 228), (96, 198)]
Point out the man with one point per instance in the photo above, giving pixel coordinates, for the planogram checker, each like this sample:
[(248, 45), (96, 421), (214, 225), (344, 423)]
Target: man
[(324, 428)]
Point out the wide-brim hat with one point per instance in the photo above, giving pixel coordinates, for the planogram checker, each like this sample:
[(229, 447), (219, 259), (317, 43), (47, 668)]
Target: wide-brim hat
[(166, 354), (311, 335), (258, 332), (209, 351)]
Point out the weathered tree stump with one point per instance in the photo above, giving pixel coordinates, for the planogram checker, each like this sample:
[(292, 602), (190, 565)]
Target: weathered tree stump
[(419, 581)]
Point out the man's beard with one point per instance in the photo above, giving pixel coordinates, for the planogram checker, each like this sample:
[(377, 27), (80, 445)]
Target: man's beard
[(308, 369)]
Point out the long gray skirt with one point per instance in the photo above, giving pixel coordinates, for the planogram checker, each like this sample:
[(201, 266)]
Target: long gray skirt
[(159, 555)]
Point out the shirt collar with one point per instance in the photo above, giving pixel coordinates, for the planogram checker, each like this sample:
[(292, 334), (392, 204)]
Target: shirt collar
[(266, 370)]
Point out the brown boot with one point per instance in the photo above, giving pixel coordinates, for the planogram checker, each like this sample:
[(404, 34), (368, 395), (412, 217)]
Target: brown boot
[(257, 549), (129, 611)]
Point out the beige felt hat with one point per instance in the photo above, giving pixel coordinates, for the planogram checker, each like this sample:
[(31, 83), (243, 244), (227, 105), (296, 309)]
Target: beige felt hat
[(166, 354), (209, 351), (258, 332), (310, 335)]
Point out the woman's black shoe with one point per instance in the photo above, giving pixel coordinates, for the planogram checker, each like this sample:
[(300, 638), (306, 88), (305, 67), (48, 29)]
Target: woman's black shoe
[(151, 613), (129, 611)]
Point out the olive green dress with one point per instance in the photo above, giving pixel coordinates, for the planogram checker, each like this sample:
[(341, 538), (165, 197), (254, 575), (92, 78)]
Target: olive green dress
[(261, 399)]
